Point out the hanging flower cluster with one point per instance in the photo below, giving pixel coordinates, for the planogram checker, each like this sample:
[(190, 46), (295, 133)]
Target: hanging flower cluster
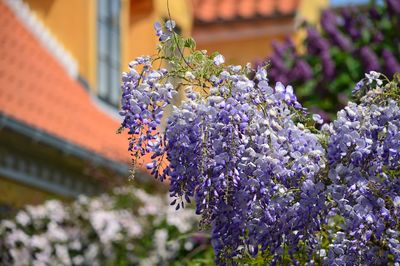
[(269, 180), (127, 227), (364, 155)]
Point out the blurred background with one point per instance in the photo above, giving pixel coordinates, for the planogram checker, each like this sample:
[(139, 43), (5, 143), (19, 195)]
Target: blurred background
[(61, 62), (60, 65)]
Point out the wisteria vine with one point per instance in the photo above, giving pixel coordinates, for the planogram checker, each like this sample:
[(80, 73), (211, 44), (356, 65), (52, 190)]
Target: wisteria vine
[(270, 180)]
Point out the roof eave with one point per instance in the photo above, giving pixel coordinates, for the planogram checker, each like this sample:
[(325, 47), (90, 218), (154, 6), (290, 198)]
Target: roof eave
[(240, 19), (62, 145)]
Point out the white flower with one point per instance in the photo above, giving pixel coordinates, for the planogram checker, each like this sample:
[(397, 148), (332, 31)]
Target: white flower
[(56, 233), (183, 219), (21, 256), (170, 24), (219, 59), (17, 236), (106, 225), (59, 228), (78, 260), (6, 224), (92, 252), (188, 245), (37, 212), (374, 76), (129, 223), (63, 255), (152, 205), (189, 75), (40, 242), (396, 201), (56, 211), (23, 218), (317, 118), (43, 257), (76, 245), (160, 241), (235, 69)]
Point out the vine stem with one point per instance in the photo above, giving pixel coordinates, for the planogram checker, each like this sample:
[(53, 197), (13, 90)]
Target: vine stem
[(176, 41)]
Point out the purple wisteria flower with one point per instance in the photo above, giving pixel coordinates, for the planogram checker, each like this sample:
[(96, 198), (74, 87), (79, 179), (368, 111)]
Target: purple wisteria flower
[(238, 153), (264, 178), (392, 65), (219, 59), (364, 156), (349, 42), (394, 7), (164, 35), (369, 59)]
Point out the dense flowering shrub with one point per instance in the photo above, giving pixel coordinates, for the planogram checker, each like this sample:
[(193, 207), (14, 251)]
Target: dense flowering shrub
[(351, 41), (274, 185), (127, 227)]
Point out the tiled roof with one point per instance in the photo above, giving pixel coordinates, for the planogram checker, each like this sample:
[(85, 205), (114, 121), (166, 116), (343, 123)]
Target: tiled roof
[(210, 11), (36, 90), (30, 20)]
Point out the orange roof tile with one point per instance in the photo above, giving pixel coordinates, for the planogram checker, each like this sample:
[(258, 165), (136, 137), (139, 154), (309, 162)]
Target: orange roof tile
[(210, 11), (35, 89)]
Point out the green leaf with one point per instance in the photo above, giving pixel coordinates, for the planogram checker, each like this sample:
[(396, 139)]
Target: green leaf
[(307, 89), (353, 66), (190, 43), (366, 36), (120, 130)]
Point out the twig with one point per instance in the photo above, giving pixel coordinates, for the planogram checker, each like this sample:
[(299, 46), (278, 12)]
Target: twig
[(176, 41)]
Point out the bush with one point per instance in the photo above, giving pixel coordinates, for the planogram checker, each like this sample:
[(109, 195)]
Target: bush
[(127, 227), (352, 41)]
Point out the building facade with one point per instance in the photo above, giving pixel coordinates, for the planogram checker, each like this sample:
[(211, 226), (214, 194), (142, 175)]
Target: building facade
[(244, 30), (60, 65)]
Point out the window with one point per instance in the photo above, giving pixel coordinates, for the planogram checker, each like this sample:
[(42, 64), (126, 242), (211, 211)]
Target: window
[(108, 50)]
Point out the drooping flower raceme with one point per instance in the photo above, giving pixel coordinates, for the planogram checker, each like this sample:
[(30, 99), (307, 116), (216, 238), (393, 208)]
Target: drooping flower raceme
[(364, 157), (250, 167), (143, 99), (260, 172), (240, 154)]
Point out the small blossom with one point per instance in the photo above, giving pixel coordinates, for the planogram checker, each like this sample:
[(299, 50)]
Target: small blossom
[(373, 76), (219, 59), (317, 118), (170, 25), (189, 75)]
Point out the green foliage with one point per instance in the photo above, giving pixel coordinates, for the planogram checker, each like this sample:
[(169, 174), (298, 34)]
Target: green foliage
[(351, 41)]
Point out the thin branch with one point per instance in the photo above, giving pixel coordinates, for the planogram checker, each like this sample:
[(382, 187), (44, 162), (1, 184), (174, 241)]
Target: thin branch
[(176, 41)]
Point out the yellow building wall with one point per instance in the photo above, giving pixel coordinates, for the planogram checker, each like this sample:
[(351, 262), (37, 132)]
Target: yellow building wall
[(72, 22), (18, 195), (242, 46), (243, 42), (310, 11), (180, 10), (242, 51), (138, 35)]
